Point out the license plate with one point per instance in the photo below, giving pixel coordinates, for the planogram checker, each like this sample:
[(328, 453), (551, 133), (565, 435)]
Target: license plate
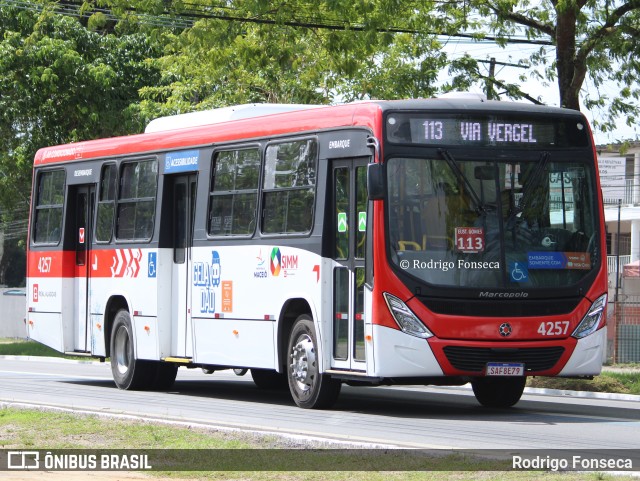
[(505, 369)]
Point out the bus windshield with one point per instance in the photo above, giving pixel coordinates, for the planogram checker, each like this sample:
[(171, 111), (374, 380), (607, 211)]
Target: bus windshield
[(501, 223)]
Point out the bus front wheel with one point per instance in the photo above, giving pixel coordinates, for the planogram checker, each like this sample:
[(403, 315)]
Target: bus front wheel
[(309, 388), (498, 392), (128, 372)]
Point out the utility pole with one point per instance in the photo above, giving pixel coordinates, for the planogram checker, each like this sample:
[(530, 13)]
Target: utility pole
[(492, 75), (491, 79), (615, 298)]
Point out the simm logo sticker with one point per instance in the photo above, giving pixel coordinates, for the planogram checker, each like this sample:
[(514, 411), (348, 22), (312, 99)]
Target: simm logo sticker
[(288, 264)]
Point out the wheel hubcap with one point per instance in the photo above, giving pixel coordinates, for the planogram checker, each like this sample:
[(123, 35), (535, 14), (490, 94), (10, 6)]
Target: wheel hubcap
[(303, 363), (122, 350)]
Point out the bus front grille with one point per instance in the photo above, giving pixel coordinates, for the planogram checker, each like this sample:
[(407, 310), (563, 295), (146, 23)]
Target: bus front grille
[(474, 359)]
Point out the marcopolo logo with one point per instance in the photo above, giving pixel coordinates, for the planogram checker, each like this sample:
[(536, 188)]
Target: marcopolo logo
[(276, 261), (503, 295)]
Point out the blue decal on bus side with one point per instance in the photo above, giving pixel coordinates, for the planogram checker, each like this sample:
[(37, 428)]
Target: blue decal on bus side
[(183, 161), (215, 269), (206, 276), (152, 265)]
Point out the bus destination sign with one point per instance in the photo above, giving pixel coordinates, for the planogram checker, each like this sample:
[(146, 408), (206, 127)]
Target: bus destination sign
[(480, 132), (511, 131), (462, 132)]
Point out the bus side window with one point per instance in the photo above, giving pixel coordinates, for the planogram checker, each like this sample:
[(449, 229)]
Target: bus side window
[(136, 200), (289, 187), (106, 203), (48, 209), (234, 192)]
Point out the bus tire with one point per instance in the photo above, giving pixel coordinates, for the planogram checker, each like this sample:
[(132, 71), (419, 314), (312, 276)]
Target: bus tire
[(269, 379), (309, 388), (128, 372), (163, 375), (498, 392)]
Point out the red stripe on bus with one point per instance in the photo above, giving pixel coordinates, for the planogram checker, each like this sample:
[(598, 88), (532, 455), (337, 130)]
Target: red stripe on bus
[(99, 263)]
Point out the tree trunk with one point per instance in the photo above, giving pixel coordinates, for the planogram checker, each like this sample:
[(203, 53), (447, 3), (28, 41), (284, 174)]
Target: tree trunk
[(569, 83)]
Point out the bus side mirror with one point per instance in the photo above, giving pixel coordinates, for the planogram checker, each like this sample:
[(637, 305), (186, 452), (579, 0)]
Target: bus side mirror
[(375, 181)]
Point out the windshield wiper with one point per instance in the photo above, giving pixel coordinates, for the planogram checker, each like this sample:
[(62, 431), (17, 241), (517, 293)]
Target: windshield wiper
[(532, 182), (453, 165)]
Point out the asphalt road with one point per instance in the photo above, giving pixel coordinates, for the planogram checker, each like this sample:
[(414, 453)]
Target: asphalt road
[(422, 417)]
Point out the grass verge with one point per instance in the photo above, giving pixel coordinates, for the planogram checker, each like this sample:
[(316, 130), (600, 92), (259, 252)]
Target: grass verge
[(33, 429), (608, 381), (25, 347)]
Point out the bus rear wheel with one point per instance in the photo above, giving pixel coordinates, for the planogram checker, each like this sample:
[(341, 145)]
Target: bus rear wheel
[(128, 372), (309, 388), (498, 392)]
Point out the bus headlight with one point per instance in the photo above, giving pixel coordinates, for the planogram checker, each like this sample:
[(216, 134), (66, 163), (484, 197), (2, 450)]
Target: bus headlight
[(591, 320), (406, 319)]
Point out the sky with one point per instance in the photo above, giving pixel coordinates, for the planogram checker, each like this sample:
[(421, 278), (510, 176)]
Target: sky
[(547, 93)]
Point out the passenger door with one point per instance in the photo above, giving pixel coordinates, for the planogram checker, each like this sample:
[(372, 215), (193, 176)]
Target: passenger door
[(183, 192), (83, 235), (349, 210)]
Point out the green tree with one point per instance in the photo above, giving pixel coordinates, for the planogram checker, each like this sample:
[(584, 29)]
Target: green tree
[(13, 263), (284, 51), (386, 48), (61, 82), (578, 40)]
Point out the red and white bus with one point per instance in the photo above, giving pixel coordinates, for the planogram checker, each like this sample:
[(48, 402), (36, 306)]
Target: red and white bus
[(423, 242)]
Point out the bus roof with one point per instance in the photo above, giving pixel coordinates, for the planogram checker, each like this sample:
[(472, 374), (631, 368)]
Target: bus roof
[(314, 118), (223, 114), (296, 119)]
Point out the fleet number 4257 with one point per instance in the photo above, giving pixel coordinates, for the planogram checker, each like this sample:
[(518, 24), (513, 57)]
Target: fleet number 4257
[(558, 328), (44, 264)]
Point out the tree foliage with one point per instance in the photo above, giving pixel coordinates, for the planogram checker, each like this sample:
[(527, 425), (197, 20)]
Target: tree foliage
[(580, 41), (286, 51), (61, 82), (332, 50)]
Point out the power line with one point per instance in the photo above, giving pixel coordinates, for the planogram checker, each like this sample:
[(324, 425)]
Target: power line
[(188, 18)]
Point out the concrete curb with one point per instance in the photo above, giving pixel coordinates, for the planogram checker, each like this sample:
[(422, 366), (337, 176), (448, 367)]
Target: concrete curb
[(582, 394)]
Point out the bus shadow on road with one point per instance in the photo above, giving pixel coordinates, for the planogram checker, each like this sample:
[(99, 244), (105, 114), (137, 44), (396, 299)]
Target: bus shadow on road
[(379, 401), (223, 389), (458, 405)]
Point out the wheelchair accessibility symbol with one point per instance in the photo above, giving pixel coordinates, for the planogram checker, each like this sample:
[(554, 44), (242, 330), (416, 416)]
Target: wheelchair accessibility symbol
[(152, 265), (518, 272)]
